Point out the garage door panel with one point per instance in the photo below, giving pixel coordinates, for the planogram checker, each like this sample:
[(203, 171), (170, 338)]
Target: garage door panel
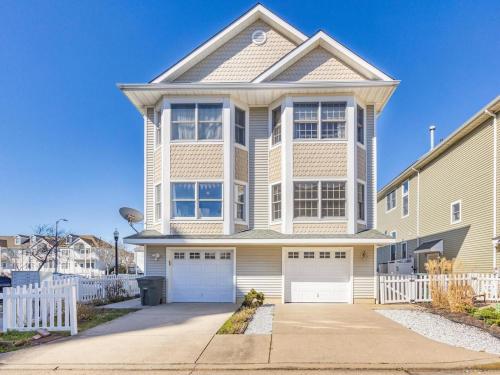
[(318, 277), (202, 279)]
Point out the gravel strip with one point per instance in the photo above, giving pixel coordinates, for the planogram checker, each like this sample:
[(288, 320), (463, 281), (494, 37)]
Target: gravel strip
[(262, 321), (443, 330)]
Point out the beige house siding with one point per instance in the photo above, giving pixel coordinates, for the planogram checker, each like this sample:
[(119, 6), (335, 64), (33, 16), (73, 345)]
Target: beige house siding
[(319, 159), (225, 64), (149, 168), (275, 164), (361, 163), (320, 228), (196, 161), (275, 227), (157, 166), (258, 168), (371, 188), (240, 227), (258, 268), (363, 273), (195, 228), (155, 267), (319, 65), (240, 164)]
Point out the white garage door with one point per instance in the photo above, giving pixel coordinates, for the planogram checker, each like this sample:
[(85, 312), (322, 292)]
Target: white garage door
[(317, 275), (202, 276)]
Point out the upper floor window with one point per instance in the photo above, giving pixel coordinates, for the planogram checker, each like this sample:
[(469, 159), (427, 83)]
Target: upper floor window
[(197, 199), (308, 204), (404, 250), (361, 201), (360, 125), (239, 124), (456, 212), (276, 126), (158, 128), (391, 200), (309, 117), (276, 201), (239, 201), (405, 195), (18, 240), (157, 202), (196, 122)]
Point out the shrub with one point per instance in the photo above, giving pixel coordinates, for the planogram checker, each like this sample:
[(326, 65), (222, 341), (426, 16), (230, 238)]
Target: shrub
[(460, 295), (238, 322), (115, 292), (253, 299), (435, 268), (85, 312)]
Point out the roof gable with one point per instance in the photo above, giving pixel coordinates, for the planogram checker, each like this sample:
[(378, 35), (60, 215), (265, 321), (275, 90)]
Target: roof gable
[(319, 65), (343, 57), (258, 12)]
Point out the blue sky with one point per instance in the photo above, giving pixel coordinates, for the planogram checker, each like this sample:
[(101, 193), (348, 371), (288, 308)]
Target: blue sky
[(72, 145)]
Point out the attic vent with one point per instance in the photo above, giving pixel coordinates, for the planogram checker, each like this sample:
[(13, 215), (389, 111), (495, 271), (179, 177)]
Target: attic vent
[(259, 37)]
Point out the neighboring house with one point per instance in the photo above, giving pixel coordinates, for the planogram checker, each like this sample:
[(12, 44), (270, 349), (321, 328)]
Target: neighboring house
[(446, 203), (77, 254), (260, 167)]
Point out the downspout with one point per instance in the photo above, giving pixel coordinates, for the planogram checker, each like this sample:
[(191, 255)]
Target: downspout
[(418, 215), (495, 147)]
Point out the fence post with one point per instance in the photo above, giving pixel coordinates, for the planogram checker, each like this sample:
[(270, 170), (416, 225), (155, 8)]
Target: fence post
[(6, 309), (73, 311), (412, 289)]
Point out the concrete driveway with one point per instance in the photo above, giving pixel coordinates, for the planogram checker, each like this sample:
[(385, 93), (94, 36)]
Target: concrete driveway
[(165, 334)]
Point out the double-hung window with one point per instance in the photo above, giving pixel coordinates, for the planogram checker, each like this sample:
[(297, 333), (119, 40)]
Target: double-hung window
[(239, 124), (157, 202), (184, 199), (404, 250), (309, 203), (209, 199), (158, 129), (360, 122), (393, 252), (276, 126), (329, 116), (239, 201), (405, 196), (456, 212), (276, 201), (391, 200), (361, 201), (196, 200), (196, 122)]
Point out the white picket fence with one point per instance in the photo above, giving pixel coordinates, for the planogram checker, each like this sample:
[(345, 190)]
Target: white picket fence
[(97, 288), (416, 288), (51, 306)]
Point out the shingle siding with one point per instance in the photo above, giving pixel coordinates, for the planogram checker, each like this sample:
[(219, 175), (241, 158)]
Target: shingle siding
[(225, 64), (315, 159), (196, 161), (320, 228), (275, 164), (361, 163), (259, 164), (241, 164), (196, 228)]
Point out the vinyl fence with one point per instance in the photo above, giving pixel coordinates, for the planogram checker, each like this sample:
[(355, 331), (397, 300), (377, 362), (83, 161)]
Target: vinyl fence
[(416, 288), (51, 306), (102, 287)]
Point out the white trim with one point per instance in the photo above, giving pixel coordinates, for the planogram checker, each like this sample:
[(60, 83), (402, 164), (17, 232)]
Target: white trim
[(451, 212), (283, 270), (165, 166), (258, 12), (363, 107), (160, 219), (270, 190), (229, 154), (145, 117), (287, 166), (375, 273), (245, 241), (362, 221), (245, 185), (403, 195), (331, 45), (197, 201)]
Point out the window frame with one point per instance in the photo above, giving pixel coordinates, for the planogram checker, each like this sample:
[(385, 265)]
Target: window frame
[(196, 200), (240, 126), (358, 203), (387, 209), (158, 129), (279, 202), (405, 195), (392, 246), (452, 220), (359, 108), (276, 128), (320, 122), (197, 121), (244, 203), (320, 201), (404, 245), (158, 206)]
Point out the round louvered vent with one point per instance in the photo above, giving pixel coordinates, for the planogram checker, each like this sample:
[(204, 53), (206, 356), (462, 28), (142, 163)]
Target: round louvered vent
[(259, 37)]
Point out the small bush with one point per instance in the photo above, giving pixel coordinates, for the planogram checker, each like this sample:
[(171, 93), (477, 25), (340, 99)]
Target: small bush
[(115, 292), (253, 299), (460, 296), (85, 312), (238, 322)]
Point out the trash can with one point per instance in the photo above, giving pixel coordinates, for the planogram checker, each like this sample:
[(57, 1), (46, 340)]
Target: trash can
[(151, 289)]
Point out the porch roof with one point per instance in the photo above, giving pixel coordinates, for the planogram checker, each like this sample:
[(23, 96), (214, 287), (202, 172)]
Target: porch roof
[(435, 246)]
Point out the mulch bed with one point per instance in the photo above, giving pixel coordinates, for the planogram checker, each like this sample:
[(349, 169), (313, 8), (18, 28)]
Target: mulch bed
[(464, 318)]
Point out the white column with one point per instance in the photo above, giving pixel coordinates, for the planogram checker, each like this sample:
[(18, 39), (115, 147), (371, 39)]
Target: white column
[(287, 165), (165, 173), (228, 189), (351, 167)]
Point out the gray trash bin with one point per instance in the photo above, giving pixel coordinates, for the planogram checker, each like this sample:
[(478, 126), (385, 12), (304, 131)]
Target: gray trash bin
[(151, 289)]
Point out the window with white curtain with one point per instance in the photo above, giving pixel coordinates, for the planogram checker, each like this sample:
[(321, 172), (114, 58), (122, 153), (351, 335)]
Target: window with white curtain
[(239, 201), (197, 200), (209, 199), (456, 212), (239, 124), (184, 199), (196, 122), (391, 200), (276, 126)]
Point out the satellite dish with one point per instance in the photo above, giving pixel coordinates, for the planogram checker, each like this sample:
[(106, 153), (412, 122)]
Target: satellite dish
[(132, 216)]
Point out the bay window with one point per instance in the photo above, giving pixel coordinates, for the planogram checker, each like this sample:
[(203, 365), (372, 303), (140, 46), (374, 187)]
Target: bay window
[(276, 202), (196, 200), (239, 124), (196, 122), (360, 125), (158, 202), (239, 201), (361, 201), (330, 116), (276, 126), (309, 203)]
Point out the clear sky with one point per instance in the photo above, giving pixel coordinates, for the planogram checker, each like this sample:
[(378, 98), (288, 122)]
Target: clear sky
[(72, 145)]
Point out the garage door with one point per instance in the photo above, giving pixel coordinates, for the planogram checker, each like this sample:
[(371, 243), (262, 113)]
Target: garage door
[(317, 275), (202, 276)]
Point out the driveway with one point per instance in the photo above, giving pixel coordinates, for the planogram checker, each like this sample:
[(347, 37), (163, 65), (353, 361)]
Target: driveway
[(165, 334)]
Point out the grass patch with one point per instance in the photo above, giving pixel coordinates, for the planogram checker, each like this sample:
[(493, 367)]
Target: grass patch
[(100, 316), (238, 322), (14, 340), (490, 315)]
